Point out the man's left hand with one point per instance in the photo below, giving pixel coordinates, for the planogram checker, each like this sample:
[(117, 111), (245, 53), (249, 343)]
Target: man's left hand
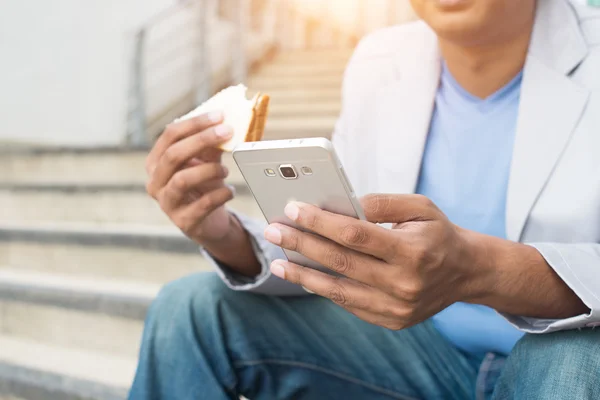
[(395, 277)]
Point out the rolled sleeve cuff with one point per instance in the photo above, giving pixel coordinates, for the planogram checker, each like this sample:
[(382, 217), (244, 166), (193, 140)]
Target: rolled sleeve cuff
[(262, 249), (575, 266)]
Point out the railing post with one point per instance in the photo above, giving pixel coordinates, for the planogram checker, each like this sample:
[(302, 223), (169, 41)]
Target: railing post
[(137, 136), (240, 61), (203, 67), (283, 24)]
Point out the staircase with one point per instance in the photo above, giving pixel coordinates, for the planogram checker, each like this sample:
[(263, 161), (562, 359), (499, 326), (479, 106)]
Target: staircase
[(83, 249)]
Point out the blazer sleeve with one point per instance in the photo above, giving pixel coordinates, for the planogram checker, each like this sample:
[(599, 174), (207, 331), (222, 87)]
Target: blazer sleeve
[(266, 252), (578, 265)]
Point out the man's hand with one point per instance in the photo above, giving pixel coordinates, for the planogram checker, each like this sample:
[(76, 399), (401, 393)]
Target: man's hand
[(186, 177), (391, 277), (399, 277)]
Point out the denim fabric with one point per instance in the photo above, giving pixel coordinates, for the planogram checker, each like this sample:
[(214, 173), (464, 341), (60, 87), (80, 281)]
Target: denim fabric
[(205, 341)]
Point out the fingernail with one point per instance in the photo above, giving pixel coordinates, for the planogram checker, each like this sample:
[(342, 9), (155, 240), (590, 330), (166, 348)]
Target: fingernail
[(225, 170), (232, 188), (273, 235), (291, 211), (223, 131), (215, 116), (278, 269)]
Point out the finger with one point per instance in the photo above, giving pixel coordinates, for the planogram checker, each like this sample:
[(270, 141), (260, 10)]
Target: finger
[(191, 179), (344, 261), (362, 236), (378, 319), (398, 208), (179, 130), (192, 215), (180, 153), (342, 291)]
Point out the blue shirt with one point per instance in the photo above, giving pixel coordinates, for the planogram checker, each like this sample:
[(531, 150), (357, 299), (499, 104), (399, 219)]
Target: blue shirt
[(465, 171)]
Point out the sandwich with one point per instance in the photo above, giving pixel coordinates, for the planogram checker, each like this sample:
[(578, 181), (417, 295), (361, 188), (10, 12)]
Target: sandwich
[(246, 117)]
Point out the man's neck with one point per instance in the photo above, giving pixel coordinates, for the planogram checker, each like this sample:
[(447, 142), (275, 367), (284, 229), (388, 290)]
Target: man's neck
[(482, 70)]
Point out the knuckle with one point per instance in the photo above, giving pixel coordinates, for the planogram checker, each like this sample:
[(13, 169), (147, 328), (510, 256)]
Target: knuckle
[(311, 221), (336, 294), (339, 261), (424, 201), (411, 293), (369, 202), (200, 122), (395, 326), (396, 316), (206, 203), (148, 165), (172, 157), (421, 253), (353, 235), (216, 171), (184, 222), (293, 242), (150, 188), (170, 131), (179, 182), (376, 204), (393, 251)]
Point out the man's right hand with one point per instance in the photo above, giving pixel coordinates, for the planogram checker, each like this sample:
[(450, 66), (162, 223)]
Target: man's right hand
[(186, 177)]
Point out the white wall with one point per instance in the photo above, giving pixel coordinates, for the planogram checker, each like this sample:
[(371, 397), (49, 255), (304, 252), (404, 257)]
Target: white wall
[(64, 69)]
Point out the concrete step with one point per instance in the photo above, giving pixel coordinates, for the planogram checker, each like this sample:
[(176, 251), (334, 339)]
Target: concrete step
[(313, 55), (325, 108), (124, 252), (100, 261), (30, 370), (269, 83), (98, 204), (301, 70), (296, 127), (100, 166), (87, 314), (302, 95)]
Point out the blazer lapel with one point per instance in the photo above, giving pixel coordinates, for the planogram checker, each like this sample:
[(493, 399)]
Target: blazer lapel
[(403, 113), (551, 106)]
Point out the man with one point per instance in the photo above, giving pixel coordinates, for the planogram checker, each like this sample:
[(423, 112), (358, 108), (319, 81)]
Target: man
[(489, 111)]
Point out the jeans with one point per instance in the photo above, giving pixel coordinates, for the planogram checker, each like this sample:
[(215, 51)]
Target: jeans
[(205, 341)]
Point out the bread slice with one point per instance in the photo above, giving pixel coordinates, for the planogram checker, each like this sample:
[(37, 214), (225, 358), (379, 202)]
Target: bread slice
[(246, 117)]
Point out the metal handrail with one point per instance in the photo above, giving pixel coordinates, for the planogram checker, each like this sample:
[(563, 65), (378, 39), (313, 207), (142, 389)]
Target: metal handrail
[(188, 66)]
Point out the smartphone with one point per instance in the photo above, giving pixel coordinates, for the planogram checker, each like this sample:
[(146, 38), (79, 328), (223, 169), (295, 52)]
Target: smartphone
[(305, 170)]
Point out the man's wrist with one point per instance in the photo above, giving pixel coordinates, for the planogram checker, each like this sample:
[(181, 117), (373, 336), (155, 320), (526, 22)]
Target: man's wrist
[(515, 278), (479, 261), (242, 259), (209, 241)]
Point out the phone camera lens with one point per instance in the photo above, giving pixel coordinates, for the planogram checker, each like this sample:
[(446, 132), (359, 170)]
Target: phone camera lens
[(288, 172)]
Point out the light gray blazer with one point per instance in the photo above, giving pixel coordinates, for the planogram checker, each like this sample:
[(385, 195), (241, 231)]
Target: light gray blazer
[(554, 189)]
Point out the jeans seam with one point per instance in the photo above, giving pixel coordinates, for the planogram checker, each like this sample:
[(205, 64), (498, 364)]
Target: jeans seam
[(327, 371), (482, 376)]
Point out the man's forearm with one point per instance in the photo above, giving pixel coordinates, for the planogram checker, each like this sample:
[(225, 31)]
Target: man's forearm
[(235, 250), (519, 281)]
